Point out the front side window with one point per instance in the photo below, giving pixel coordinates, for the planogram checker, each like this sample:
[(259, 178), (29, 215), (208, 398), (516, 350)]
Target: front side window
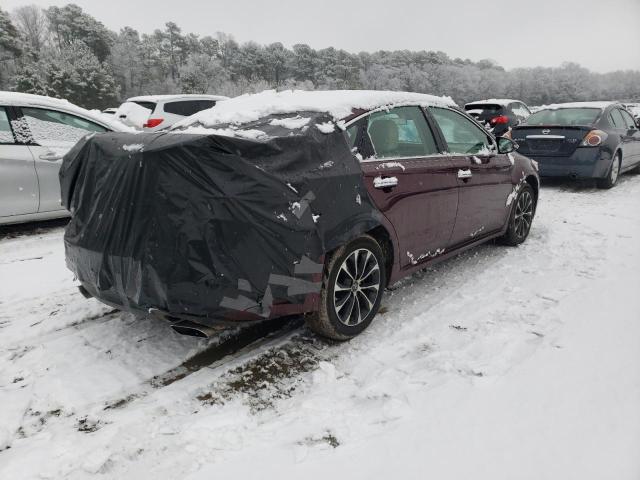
[(460, 133), (52, 128), (400, 132), (6, 135)]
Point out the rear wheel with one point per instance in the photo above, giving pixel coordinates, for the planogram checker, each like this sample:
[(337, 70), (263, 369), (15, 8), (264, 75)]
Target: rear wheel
[(612, 175), (521, 217), (352, 288)]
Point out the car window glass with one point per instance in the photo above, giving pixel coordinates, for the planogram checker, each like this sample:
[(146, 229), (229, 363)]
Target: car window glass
[(352, 134), (188, 107), (617, 118), (628, 119), (564, 116), (401, 132), (460, 133), (6, 136), (148, 105), (520, 110), (52, 128)]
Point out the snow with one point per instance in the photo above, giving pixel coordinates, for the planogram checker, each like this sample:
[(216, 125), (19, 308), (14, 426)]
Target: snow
[(327, 127), (182, 96), (290, 123), (133, 114), (249, 133), (133, 147), (390, 165), (337, 103), (501, 363), (503, 102)]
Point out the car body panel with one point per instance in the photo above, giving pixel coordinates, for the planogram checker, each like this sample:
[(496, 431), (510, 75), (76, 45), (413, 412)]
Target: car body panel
[(18, 182)]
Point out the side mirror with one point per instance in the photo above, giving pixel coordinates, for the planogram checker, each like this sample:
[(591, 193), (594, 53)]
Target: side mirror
[(506, 145)]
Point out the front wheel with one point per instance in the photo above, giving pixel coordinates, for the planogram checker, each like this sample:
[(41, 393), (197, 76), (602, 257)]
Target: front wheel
[(521, 217), (352, 287)]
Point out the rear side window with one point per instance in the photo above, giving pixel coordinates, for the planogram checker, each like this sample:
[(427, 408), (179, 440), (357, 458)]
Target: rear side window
[(520, 110), (6, 135), (148, 105), (461, 134), (188, 107), (401, 132), (54, 128), (564, 116)]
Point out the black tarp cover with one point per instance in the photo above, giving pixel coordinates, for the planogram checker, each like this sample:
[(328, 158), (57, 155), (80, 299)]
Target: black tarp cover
[(201, 224)]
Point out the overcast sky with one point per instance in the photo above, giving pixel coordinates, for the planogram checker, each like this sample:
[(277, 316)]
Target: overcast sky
[(600, 35)]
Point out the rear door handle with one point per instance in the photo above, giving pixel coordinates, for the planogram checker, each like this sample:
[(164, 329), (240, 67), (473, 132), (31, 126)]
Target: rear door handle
[(386, 182), (466, 173), (51, 156)]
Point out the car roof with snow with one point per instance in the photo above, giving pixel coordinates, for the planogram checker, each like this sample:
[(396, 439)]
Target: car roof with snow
[(339, 104), (165, 98), (29, 100), (503, 102), (598, 105)]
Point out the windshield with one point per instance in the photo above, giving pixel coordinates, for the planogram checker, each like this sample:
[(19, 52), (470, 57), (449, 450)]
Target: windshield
[(564, 116)]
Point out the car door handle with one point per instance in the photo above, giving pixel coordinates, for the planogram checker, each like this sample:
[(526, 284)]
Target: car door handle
[(466, 173), (51, 156), (386, 182)]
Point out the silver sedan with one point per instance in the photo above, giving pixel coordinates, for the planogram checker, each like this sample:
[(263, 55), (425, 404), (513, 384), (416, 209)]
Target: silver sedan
[(35, 133)]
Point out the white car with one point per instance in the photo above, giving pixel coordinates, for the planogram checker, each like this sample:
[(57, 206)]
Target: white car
[(156, 112), (35, 133)]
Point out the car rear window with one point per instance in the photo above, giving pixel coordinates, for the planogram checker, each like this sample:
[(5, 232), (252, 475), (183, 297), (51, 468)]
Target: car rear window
[(188, 107), (148, 105), (564, 116), (488, 107)]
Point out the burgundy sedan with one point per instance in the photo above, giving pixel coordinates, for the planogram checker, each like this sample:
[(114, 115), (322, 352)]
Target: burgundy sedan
[(286, 203)]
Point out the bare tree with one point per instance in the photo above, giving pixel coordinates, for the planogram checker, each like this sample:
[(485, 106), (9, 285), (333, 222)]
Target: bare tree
[(33, 26)]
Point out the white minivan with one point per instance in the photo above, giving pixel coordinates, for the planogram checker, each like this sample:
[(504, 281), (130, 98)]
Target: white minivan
[(156, 112)]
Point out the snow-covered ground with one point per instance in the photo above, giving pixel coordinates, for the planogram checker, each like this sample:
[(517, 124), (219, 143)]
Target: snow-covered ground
[(502, 363)]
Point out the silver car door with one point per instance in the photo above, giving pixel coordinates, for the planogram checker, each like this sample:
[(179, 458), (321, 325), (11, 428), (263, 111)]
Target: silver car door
[(54, 133), (18, 181)]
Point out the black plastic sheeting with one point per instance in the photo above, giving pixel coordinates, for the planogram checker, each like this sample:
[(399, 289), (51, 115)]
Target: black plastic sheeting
[(204, 225)]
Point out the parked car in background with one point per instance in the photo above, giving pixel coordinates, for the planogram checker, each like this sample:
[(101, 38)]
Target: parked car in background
[(498, 115), (291, 202), (598, 140), (157, 112), (35, 133), (634, 109)]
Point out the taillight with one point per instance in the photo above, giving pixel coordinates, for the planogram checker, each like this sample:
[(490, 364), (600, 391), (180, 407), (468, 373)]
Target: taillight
[(594, 138), (499, 119), (153, 122)]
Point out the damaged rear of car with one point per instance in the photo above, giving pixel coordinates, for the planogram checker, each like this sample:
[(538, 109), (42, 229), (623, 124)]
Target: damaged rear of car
[(206, 229)]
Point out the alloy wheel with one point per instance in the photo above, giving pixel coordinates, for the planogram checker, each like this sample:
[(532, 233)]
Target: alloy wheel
[(524, 214), (356, 287)]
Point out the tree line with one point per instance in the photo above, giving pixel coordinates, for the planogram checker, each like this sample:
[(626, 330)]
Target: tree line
[(64, 52)]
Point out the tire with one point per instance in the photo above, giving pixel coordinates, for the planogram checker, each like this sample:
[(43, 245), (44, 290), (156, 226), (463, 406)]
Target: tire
[(339, 291), (521, 217), (612, 174)]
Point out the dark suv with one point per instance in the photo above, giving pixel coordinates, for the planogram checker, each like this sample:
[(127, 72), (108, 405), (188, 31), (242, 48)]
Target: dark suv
[(498, 115), (286, 203)]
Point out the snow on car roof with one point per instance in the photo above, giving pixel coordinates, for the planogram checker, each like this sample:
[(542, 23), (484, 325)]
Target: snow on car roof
[(30, 100), (159, 98), (338, 103), (498, 101), (556, 106)]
